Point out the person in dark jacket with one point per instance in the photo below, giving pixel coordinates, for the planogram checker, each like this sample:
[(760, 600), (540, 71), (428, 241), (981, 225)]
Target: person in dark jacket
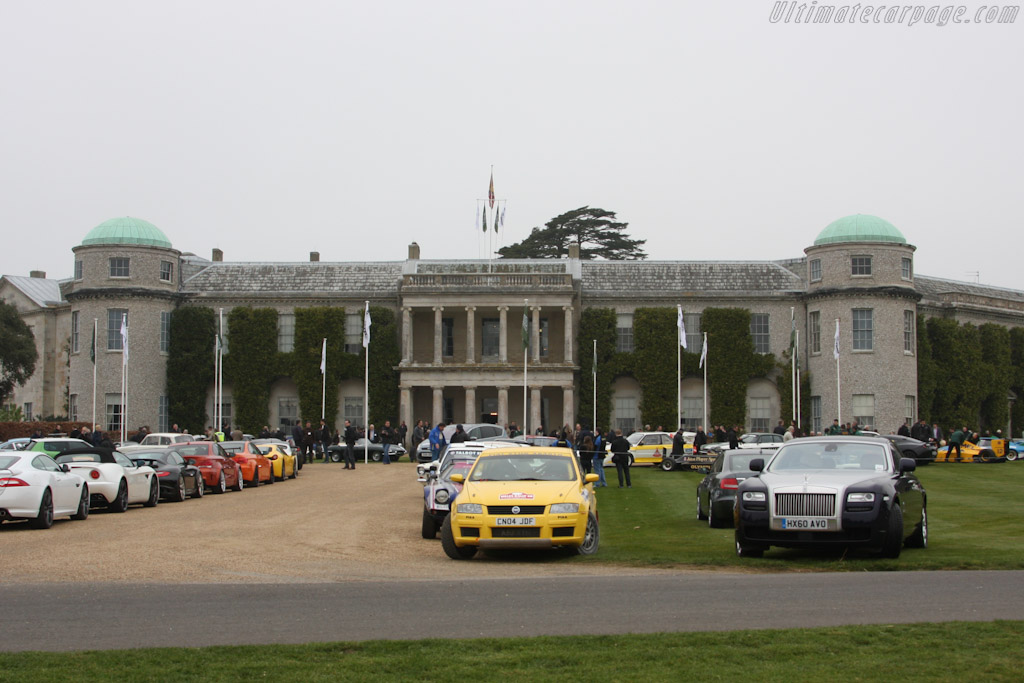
[(387, 437), (700, 439), (350, 445), (460, 435), (955, 441), (678, 442), (904, 430), (620, 449), (733, 439)]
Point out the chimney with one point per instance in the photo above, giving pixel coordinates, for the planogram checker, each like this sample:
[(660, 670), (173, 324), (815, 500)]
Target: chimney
[(37, 274), (414, 252), (314, 256), (574, 251), (218, 255)]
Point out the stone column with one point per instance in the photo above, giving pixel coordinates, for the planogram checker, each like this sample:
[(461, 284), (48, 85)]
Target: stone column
[(535, 333), (568, 414), (568, 336), (471, 411), (503, 334), (406, 335), (503, 406), (438, 407), (535, 409), (470, 334), (405, 405), (437, 335)]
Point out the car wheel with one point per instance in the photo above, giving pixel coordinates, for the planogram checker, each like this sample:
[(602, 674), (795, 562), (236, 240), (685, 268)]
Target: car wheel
[(200, 487), (120, 502), (448, 543), (1011, 454), (295, 469), (179, 493), (44, 520), (713, 522), (255, 477), (272, 477), (83, 505), (591, 537), (668, 464), (376, 456), (919, 539), (335, 456), (429, 528), (987, 455), (894, 534), (747, 550), (154, 493), (239, 482), (700, 510), (222, 483), (631, 460)]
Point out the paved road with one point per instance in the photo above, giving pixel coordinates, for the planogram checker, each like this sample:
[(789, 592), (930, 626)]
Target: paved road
[(104, 616)]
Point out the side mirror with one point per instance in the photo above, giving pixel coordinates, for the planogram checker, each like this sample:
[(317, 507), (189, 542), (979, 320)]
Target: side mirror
[(65, 468), (907, 465), (458, 478), (591, 478), (757, 465)]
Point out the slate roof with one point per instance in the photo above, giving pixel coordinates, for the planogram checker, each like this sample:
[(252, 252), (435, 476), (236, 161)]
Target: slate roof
[(42, 291), (378, 278), (606, 277), (938, 289)]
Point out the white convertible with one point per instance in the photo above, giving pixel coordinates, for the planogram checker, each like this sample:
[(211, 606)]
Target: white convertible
[(114, 480), (34, 487)]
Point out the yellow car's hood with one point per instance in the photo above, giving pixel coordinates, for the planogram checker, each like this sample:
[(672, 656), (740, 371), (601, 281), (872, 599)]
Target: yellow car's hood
[(520, 492)]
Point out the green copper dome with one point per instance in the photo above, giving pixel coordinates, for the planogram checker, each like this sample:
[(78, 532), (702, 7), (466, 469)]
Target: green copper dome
[(860, 228), (127, 230)]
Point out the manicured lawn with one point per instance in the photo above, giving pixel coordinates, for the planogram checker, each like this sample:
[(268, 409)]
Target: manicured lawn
[(975, 513), (955, 651)]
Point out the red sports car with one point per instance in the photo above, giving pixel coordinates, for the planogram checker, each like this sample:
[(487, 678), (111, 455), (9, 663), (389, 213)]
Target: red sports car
[(256, 468), (218, 468)]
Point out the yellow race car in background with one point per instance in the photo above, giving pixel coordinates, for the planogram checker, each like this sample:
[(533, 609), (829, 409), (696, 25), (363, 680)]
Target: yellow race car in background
[(986, 450), (522, 498), (284, 465)]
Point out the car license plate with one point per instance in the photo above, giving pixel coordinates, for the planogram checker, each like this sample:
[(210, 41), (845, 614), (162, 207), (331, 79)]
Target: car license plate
[(515, 521), (820, 523), (440, 506)]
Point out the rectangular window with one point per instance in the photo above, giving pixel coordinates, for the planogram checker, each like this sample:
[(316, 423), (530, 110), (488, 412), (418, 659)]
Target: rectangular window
[(354, 332), (489, 337), (760, 414), (864, 410), (73, 407), (543, 338), (863, 329), (119, 267), (816, 414), (74, 331), (225, 413), (906, 268), (162, 415), (861, 265), (626, 414), (447, 337), (286, 332), (909, 410), (165, 334), (166, 271), (624, 334), (693, 409), (909, 331), (759, 331), (26, 412), (448, 410), (78, 269), (814, 323), (287, 413), (114, 317), (694, 339), (353, 410), (112, 414), (815, 270)]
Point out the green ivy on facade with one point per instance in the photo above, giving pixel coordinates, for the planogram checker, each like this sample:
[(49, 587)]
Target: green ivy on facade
[(190, 366)]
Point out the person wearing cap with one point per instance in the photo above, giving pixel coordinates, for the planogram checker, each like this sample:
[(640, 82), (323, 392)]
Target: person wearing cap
[(460, 435)]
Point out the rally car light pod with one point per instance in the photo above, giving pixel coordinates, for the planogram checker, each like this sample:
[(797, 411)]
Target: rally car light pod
[(564, 508), (471, 508), (860, 497), (754, 496), (441, 496)]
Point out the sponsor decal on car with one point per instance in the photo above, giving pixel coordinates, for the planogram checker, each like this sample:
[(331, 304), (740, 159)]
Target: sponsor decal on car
[(516, 495)]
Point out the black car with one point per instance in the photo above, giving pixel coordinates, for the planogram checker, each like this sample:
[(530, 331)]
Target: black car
[(922, 452), (178, 479), (832, 492), (716, 492)]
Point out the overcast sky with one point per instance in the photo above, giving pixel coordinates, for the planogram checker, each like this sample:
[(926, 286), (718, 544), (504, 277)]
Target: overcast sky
[(272, 129)]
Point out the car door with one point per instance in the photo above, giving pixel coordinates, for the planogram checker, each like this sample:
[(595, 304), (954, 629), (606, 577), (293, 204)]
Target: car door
[(66, 487), (138, 481)]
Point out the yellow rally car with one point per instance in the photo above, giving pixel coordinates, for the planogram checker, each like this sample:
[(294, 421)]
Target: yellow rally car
[(646, 448), (986, 450), (284, 465), (522, 498)]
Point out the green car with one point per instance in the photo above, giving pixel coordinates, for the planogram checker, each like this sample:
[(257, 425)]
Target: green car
[(56, 445)]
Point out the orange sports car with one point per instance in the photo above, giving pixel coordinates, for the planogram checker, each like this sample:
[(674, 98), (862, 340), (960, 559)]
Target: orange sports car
[(256, 468)]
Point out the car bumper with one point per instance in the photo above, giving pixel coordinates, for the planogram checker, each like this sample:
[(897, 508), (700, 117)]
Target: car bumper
[(866, 529), (102, 492), (547, 531)]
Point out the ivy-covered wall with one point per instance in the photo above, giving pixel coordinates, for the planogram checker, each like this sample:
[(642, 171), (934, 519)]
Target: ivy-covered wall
[(190, 366), (597, 324), (251, 365), (312, 325)]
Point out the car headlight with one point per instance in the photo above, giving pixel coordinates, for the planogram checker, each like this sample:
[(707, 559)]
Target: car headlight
[(859, 497), (471, 508), (754, 496), (441, 496), (564, 508)]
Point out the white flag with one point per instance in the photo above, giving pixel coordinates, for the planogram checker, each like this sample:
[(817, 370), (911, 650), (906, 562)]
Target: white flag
[(366, 326), (323, 358), (124, 337), (681, 326), (704, 351), (835, 351)]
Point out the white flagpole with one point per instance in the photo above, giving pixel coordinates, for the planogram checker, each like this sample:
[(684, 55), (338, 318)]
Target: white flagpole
[(792, 363), (220, 373), (679, 380), (797, 356), (124, 377), (95, 329), (705, 364), (526, 352), (366, 384), (835, 352), (593, 425), (323, 371)]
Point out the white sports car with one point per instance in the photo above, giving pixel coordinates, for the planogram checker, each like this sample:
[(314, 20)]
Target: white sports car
[(114, 480), (34, 487)]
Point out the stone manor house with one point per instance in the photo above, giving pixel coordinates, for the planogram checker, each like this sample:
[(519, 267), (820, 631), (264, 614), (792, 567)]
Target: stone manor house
[(460, 325)]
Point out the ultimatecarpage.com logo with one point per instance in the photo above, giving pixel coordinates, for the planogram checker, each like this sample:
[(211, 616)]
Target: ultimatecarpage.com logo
[(797, 12)]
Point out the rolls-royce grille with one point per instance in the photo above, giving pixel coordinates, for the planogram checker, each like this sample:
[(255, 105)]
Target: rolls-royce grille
[(523, 510), (805, 504)]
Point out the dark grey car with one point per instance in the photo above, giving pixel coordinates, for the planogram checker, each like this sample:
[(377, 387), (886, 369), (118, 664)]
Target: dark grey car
[(716, 492)]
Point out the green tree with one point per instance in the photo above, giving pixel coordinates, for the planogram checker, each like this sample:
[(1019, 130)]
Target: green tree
[(17, 351), (596, 231)]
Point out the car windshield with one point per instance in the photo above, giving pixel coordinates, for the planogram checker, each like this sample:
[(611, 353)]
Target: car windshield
[(84, 457), (7, 460), (634, 438), (829, 456), (748, 438), (198, 449), (150, 456), (738, 462), (523, 468)]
